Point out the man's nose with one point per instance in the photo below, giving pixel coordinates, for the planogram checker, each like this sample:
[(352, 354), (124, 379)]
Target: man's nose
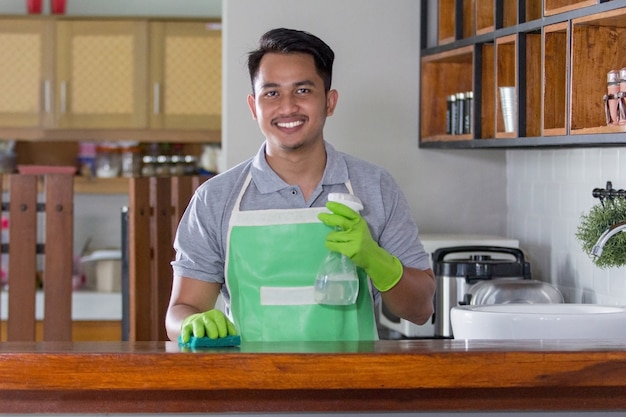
[(288, 104)]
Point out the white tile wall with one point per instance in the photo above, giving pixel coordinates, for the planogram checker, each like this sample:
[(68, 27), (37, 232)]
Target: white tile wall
[(547, 192)]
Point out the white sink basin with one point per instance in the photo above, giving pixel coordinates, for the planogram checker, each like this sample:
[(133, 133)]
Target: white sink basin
[(539, 321)]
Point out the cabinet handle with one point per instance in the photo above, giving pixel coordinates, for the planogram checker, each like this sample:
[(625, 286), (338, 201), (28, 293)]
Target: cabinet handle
[(63, 96), (156, 105), (46, 96)]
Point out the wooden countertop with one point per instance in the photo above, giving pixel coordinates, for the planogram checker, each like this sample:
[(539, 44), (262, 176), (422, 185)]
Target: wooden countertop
[(291, 377)]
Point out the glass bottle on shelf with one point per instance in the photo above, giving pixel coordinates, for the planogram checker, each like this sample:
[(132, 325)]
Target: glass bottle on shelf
[(131, 159), (148, 168), (163, 165), (191, 164), (611, 98), (108, 161), (178, 165)]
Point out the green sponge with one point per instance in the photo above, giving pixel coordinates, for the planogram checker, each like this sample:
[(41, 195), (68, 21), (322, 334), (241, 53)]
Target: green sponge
[(200, 342)]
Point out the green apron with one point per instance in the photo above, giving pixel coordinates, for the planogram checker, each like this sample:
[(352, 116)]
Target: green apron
[(272, 259)]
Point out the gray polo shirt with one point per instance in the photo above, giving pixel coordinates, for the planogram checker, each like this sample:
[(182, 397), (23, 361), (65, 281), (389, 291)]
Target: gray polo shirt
[(201, 238)]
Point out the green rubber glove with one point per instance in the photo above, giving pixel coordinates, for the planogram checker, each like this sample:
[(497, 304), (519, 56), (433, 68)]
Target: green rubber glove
[(352, 238), (212, 323)]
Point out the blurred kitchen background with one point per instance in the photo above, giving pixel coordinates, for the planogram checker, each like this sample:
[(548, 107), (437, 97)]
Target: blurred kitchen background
[(534, 196)]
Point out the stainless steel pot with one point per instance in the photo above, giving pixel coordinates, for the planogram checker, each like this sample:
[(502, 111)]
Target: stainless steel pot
[(456, 275), (508, 291)]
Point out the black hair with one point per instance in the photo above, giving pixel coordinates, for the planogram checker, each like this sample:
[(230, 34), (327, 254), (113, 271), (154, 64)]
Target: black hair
[(286, 41)]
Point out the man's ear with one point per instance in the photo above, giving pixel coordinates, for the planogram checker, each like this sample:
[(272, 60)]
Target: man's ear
[(252, 105), (331, 101)]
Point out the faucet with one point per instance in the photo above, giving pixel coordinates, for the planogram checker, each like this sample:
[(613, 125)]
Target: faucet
[(608, 233)]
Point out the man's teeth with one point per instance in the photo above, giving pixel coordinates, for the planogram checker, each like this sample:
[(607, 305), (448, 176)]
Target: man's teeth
[(289, 125)]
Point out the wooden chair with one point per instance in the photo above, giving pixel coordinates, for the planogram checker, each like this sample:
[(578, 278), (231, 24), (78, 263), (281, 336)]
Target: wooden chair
[(23, 207), (155, 206)]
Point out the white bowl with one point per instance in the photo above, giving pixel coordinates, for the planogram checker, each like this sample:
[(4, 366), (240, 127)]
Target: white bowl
[(539, 321)]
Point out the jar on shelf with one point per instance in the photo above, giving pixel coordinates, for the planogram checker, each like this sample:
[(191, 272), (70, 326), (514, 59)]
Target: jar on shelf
[(108, 161), (131, 159), (191, 164), (177, 166), (209, 160), (86, 158), (163, 165), (148, 167), (611, 98)]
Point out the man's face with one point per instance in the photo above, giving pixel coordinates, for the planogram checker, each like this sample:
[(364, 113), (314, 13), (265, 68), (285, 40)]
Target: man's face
[(289, 101)]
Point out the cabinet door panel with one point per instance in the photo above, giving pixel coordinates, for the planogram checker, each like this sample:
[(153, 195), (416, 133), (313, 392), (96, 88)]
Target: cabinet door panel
[(25, 64), (186, 75), (101, 73)]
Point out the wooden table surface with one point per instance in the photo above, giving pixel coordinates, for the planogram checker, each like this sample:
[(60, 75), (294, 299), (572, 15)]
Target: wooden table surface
[(403, 375)]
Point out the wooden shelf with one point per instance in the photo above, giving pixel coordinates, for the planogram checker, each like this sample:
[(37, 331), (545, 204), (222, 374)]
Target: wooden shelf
[(590, 65), (584, 139), (95, 135), (94, 185), (557, 64), (443, 75), (84, 185), (485, 16), (506, 76), (447, 23), (552, 7)]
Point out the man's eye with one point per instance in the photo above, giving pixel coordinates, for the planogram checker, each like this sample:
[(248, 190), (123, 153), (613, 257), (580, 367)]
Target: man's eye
[(303, 91), (271, 94)]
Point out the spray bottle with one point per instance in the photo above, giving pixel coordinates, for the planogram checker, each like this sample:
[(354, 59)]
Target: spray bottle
[(337, 282)]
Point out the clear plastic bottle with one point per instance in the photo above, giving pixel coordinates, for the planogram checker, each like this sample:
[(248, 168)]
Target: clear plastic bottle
[(337, 282)]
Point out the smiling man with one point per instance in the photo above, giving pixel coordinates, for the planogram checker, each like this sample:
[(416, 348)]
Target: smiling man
[(259, 232)]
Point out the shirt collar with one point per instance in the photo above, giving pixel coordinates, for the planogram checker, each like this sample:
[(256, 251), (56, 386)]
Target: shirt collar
[(267, 181)]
